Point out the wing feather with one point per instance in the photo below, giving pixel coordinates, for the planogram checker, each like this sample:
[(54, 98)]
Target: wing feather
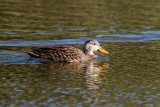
[(58, 53)]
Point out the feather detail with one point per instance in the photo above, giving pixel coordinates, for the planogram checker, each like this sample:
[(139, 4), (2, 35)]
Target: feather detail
[(58, 53)]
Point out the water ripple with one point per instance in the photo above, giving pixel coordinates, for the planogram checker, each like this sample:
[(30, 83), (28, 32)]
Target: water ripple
[(109, 38), (17, 58)]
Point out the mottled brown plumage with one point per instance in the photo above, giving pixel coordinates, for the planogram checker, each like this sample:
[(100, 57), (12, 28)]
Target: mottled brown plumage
[(62, 53)]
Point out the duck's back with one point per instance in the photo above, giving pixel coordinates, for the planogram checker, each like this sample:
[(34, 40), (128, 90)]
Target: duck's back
[(58, 53)]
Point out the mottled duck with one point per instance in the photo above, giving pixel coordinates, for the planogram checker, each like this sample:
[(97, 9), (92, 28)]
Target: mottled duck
[(63, 53)]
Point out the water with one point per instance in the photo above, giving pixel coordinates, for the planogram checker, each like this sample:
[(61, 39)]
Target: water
[(128, 77)]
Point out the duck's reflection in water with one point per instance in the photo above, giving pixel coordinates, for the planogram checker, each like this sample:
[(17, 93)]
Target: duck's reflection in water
[(88, 74), (95, 72)]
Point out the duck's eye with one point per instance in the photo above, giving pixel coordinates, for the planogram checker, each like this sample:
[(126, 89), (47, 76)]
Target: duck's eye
[(94, 43)]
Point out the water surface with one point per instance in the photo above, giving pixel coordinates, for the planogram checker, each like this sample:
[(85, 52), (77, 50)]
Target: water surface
[(128, 29)]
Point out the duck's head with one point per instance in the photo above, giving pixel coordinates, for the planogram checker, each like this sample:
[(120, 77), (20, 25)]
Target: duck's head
[(92, 46)]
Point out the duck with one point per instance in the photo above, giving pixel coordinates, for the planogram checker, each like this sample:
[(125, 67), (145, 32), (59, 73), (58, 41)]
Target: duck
[(68, 54)]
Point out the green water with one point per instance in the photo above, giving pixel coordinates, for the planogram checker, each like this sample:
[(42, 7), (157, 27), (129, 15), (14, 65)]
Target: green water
[(128, 77)]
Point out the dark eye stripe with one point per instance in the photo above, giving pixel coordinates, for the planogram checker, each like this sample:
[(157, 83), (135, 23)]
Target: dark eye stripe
[(93, 43)]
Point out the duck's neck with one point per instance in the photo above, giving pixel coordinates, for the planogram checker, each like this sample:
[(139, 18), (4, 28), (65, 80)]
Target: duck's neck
[(89, 53), (90, 56)]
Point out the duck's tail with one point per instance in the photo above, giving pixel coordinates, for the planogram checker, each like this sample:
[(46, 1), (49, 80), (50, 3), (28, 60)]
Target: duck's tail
[(32, 54)]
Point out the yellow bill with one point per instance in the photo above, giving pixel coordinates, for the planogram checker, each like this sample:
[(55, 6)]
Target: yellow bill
[(103, 51)]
